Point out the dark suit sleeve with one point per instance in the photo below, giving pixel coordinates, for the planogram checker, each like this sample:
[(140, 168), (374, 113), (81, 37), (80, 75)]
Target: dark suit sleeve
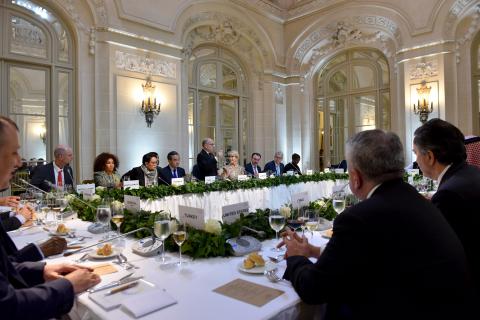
[(39, 177), (181, 172), (9, 223), (28, 253), (43, 301), (341, 263)]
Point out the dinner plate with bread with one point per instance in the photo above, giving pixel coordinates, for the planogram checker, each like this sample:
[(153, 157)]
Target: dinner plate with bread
[(253, 263), (105, 251)]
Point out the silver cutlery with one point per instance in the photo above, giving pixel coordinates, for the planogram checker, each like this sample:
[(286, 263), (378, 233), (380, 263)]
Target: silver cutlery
[(277, 259), (125, 260), (273, 276), (82, 258), (123, 280)]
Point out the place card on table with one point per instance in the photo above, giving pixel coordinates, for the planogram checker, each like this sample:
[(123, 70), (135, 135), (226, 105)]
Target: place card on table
[(87, 188), (242, 177), (231, 213), (177, 182), (326, 170), (300, 200), (103, 269), (339, 171), (131, 184), (249, 292), (210, 179), (290, 173), (413, 172), (87, 194), (132, 203), (194, 217), (262, 175), (309, 172)]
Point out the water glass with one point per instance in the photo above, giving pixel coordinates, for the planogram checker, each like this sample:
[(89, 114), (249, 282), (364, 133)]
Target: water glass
[(162, 230), (104, 215), (338, 201)]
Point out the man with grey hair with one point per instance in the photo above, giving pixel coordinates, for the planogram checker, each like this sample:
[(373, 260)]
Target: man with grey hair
[(56, 174), (391, 256), (275, 166), (206, 162)]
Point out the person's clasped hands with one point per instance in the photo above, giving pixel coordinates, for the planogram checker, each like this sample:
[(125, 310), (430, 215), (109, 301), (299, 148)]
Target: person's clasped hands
[(297, 245), (80, 277)]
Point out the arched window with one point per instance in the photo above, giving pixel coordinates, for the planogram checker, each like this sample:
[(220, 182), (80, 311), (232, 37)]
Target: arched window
[(352, 93), (476, 79), (217, 102), (36, 76)]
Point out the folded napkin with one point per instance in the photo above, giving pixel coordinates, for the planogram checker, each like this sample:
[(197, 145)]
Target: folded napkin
[(148, 302)]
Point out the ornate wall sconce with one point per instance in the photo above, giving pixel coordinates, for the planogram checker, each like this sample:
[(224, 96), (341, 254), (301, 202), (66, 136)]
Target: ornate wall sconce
[(149, 103), (423, 107), (43, 134)]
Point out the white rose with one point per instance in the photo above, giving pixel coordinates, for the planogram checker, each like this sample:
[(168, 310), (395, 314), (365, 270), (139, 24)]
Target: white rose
[(70, 198), (320, 203), (95, 197), (285, 211), (99, 188), (116, 205), (213, 226)]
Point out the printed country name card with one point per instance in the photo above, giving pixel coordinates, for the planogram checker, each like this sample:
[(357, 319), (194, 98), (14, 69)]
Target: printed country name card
[(309, 172), (242, 177), (87, 194), (194, 217), (340, 170), (300, 199), (210, 179), (326, 170), (90, 188), (132, 203), (177, 182), (262, 175), (131, 184), (231, 213)]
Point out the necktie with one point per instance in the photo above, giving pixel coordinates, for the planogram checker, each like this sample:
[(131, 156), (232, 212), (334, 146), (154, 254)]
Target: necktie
[(174, 173), (59, 179), (255, 170), (277, 168)]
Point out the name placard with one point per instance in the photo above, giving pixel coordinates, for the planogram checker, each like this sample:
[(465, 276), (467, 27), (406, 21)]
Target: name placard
[(131, 184), (231, 213), (81, 188), (132, 203), (242, 177), (262, 175), (339, 170), (290, 173), (413, 172), (194, 217), (209, 179), (326, 170), (309, 172), (177, 182), (300, 199), (87, 194)]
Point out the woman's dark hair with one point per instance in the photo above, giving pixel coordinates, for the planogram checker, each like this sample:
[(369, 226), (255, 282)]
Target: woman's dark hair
[(147, 157), (445, 141), (101, 161)]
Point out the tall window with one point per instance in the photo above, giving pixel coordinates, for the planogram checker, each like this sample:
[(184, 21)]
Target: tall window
[(476, 79), (352, 96), (36, 74), (217, 102)]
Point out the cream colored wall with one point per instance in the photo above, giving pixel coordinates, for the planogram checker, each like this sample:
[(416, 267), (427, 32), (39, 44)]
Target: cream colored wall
[(437, 33)]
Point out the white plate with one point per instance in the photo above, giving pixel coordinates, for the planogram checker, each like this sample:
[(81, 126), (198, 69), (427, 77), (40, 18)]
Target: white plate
[(116, 251), (324, 225), (254, 270), (327, 234), (53, 232)]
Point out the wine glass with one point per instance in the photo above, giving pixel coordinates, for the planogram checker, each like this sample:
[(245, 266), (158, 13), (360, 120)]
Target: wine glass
[(104, 215), (60, 203), (312, 220), (179, 236), (338, 200), (162, 230), (117, 217), (277, 222), (303, 217)]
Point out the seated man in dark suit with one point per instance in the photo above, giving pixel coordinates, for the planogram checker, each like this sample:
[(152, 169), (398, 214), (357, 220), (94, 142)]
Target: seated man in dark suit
[(56, 174), (293, 166), (441, 155), (33, 290), (149, 173), (207, 164), (253, 168), (275, 166), (391, 256), (173, 170)]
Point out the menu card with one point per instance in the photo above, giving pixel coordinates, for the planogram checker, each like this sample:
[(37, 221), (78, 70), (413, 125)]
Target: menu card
[(249, 292)]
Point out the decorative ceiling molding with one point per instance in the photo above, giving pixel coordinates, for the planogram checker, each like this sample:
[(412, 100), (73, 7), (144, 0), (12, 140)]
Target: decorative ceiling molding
[(456, 10), (279, 92), (346, 33), (100, 11), (145, 64), (424, 69), (471, 31)]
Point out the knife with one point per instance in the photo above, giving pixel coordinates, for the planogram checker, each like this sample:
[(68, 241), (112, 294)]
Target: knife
[(123, 280)]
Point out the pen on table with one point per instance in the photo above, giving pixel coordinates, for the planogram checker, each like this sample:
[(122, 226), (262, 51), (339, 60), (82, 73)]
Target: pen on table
[(122, 288)]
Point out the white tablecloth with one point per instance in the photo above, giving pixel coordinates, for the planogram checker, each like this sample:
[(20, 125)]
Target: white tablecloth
[(263, 198), (191, 285)]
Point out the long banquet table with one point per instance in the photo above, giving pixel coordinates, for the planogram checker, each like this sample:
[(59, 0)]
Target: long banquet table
[(190, 285)]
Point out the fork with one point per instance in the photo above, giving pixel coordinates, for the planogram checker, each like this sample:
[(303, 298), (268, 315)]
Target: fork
[(273, 276), (82, 258)]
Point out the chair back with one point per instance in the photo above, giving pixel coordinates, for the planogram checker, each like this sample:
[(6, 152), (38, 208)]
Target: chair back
[(473, 151)]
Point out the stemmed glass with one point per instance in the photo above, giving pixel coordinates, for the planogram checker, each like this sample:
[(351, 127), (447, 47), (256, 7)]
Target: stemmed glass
[(162, 231), (303, 217), (179, 236), (118, 216), (62, 203), (338, 200), (277, 222), (104, 215), (312, 220)]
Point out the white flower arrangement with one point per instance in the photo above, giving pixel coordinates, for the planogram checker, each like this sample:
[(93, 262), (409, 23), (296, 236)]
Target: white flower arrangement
[(70, 197), (100, 188), (95, 197), (320, 203), (213, 226), (286, 211), (116, 205)]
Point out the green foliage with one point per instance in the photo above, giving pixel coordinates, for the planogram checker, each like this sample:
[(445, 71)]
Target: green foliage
[(325, 206)]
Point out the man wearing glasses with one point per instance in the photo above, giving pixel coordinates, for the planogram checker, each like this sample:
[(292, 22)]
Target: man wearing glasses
[(206, 162), (276, 166)]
